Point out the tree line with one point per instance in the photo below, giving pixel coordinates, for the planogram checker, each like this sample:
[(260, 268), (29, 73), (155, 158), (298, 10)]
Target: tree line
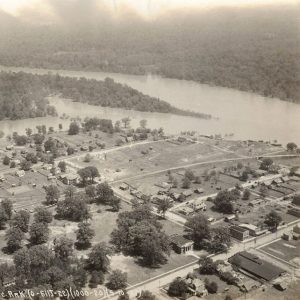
[(27, 92), (252, 50)]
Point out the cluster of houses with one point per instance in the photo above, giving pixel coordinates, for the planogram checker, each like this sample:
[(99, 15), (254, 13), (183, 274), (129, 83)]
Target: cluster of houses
[(166, 193)]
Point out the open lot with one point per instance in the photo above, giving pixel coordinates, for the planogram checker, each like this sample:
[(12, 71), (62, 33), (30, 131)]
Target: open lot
[(288, 161), (268, 293), (86, 139), (103, 222), (26, 191), (147, 158), (286, 250), (137, 273)]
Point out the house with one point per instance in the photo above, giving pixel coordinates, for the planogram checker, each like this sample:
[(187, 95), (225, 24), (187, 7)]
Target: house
[(253, 230), (70, 179), (239, 233), (47, 167), (260, 172), (164, 185), (287, 236), (187, 193), (196, 287), (9, 147), (123, 187), (284, 171), (285, 179), (267, 182), (256, 202), (297, 173), (277, 181), (51, 177), (20, 173), (180, 244), (186, 210), (253, 265), (129, 139), (197, 204), (199, 191), (230, 218), (211, 219), (16, 162), (176, 196), (296, 236), (296, 229), (157, 198), (2, 178), (248, 285)]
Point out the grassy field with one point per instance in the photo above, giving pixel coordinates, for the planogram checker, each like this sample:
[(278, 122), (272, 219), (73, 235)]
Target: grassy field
[(140, 159), (290, 162), (137, 273), (86, 139), (103, 222), (26, 191)]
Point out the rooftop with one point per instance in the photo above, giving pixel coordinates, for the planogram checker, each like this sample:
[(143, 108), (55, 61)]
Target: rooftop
[(238, 228), (179, 240), (256, 266)]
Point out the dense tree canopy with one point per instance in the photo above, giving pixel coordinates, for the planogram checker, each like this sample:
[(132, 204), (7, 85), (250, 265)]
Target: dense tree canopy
[(21, 97), (29, 99), (138, 233)]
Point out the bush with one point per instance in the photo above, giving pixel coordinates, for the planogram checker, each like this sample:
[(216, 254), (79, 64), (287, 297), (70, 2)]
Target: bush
[(6, 160)]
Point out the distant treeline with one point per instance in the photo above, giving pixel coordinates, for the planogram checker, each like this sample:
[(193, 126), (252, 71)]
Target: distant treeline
[(23, 95), (253, 49)]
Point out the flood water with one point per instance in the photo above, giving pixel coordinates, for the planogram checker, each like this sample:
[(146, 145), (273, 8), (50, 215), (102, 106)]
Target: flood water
[(246, 115)]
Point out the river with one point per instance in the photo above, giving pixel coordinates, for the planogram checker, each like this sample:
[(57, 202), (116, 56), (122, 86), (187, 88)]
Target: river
[(246, 115)]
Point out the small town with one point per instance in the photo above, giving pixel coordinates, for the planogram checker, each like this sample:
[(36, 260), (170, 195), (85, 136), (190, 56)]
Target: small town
[(134, 210), (149, 150)]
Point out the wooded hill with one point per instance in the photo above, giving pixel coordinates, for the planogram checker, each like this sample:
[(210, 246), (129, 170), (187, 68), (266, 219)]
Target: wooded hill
[(253, 49)]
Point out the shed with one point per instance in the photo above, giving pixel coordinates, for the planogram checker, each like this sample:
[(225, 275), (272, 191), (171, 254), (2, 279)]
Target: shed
[(70, 178), (187, 193), (123, 187), (199, 191), (20, 173)]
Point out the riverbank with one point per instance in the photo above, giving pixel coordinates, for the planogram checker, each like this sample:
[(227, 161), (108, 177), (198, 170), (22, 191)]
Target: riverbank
[(246, 115)]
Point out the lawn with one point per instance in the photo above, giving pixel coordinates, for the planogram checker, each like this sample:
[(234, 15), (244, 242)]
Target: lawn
[(171, 228), (139, 159), (88, 138), (137, 273), (103, 222)]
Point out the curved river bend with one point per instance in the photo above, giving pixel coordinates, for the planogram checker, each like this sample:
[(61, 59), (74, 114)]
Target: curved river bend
[(246, 115)]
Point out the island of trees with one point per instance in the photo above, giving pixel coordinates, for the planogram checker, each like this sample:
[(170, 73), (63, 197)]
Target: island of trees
[(23, 95)]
